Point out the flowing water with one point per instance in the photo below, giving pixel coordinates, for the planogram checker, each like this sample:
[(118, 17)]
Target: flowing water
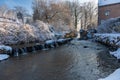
[(75, 61)]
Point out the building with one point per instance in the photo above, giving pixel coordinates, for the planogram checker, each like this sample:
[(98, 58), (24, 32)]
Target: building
[(108, 9)]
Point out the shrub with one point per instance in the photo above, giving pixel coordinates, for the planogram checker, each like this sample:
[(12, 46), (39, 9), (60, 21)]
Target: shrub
[(110, 26)]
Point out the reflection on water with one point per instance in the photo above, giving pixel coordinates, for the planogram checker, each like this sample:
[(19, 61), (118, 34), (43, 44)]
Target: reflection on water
[(69, 62)]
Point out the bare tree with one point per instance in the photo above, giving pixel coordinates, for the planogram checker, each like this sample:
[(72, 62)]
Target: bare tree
[(89, 15), (41, 10), (51, 12), (75, 8)]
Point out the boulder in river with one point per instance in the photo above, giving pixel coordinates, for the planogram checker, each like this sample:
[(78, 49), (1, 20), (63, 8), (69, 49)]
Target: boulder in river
[(3, 56), (5, 49)]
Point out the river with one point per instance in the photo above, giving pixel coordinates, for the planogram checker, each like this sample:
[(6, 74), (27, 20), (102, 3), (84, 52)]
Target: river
[(77, 60)]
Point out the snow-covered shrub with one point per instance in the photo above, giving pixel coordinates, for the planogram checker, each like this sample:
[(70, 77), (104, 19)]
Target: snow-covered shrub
[(42, 30), (110, 26), (13, 33)]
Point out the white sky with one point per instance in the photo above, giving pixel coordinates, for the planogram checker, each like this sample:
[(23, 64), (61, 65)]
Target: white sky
[(82, 1), (89, 0)]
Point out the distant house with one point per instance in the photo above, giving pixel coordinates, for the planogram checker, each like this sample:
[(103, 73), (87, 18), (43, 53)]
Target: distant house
[(108, 9), (11, 16)]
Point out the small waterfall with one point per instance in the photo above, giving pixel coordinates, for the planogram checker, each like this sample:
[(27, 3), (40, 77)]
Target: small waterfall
[(33, 49), (56, 44), (43, 47), (40, 47), (25, 50), (16, 53), (22, 51), (37, 47), (52, 45)]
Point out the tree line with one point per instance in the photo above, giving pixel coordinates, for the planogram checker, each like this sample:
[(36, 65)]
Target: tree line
[(59, 13), (69, 13)]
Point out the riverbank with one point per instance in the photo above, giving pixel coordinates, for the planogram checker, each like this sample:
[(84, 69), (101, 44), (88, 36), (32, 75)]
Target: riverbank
[(17, 50), (110, 40)]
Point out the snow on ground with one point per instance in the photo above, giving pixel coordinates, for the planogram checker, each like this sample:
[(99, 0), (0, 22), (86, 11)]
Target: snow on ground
[(111, 39), (3, 56), (116, 53), (5, 48), (61, 40), (114, 76), (50, 41)]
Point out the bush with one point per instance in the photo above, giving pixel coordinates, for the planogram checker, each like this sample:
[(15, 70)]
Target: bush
[(16, 34), (110, 26)]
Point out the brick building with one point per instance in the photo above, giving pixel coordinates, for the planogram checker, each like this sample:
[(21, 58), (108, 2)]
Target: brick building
[(108, 9)]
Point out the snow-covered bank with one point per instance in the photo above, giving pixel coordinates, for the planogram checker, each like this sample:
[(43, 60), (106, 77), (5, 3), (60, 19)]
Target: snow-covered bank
[(5, 48), (114, 76), (3, 56), (109, 39), (116, 53), (48, 44), (56, 41)]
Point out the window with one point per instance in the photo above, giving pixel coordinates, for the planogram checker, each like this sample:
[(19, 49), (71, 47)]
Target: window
[(107, 12)]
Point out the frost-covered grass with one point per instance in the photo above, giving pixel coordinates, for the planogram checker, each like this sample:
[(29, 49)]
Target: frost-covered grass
[(114, 76), (3, 56)]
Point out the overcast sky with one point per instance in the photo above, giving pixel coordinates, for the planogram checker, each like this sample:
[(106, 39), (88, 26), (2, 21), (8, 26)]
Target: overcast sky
[(26, 3)]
